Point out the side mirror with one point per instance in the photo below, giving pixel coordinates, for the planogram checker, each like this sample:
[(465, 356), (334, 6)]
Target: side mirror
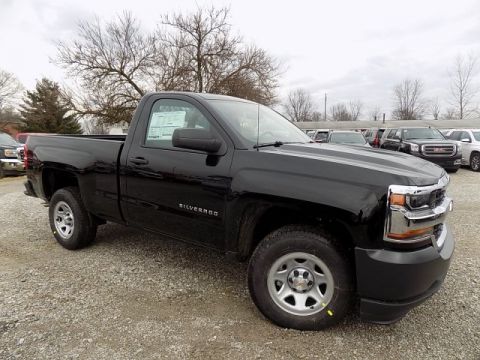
[(195, 139), (466, 140)]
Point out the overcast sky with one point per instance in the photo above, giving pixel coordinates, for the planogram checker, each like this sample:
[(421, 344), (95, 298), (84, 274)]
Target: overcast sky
[(349, 49)]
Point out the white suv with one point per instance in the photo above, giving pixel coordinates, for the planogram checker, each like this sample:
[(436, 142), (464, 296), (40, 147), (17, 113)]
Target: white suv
[(470, 142)]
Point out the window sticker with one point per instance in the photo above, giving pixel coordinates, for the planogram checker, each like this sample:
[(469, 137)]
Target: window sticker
[(162, 124)]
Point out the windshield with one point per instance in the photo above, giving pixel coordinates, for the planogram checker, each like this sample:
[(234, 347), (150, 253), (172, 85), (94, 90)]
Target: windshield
[(476, 135), (422, 133), (347, 138), (6, 139), (244, 117)]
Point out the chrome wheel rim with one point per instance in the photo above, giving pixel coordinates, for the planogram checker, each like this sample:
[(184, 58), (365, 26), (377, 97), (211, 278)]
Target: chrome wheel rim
[(63, 219), (300, 283), (475, 162)]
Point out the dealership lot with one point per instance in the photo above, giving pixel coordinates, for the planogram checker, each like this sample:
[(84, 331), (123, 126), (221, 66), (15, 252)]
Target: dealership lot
[(136, 295)]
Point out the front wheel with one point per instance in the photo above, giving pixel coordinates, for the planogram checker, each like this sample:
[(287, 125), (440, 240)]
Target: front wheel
[(300, 279), (475, 162), (71, 224)]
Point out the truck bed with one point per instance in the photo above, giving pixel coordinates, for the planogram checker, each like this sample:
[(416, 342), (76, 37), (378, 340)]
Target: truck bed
[(94, 159)]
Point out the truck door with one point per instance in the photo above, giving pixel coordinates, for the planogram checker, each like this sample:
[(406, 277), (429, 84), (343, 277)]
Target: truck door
[(178, 192)]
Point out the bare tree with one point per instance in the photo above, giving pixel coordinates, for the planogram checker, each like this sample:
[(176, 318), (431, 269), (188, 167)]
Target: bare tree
[(449, 114), (350, 112), (461, 86), (435, 108), (355, 109), (9, 118), (10, 88), (299, 106), (214, 60), (317, 116), (339, 112), (408, 102), (117, 63), (375, 113)]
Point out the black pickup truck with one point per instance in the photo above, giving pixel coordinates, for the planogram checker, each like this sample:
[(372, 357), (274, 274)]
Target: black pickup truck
[(323, 226)]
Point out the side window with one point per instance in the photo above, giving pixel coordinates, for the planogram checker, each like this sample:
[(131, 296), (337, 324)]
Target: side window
[(398, 134), (391, 133), (455, 135), (168, 115), (465, 135)]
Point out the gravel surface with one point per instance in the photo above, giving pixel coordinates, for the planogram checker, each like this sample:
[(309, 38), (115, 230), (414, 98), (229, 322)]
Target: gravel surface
[(134, 295)]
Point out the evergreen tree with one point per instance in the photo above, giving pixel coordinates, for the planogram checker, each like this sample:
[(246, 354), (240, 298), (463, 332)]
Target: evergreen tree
[(46, 110)]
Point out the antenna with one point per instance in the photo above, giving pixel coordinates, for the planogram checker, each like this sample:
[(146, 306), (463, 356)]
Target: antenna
[(258, 124)]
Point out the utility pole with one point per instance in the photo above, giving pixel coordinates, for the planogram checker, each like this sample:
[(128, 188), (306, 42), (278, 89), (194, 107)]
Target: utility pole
[(325, 113), (384, 118)]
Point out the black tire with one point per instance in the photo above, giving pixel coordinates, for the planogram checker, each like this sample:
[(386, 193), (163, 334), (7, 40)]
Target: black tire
[(84, 228), (475, 162), (453, 171), (304, 239), (2, 174)]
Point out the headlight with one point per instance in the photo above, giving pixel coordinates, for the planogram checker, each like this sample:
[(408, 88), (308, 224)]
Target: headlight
[(10, 153), (459, 148), (414, 147), (418, 201), (414, 202)]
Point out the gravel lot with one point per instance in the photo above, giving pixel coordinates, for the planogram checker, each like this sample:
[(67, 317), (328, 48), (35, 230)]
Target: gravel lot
[(137, 296)]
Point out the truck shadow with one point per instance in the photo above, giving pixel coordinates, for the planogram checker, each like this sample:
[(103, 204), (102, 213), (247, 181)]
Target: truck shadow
[(159, 254)]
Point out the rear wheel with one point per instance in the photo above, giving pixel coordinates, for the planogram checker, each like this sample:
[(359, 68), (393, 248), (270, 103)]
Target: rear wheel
[(475, 162), (300, 279), (71, 224)]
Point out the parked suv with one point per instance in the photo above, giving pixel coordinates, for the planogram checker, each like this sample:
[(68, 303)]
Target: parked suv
[(469, 140), (374, 135), (426, 143), (11, 155)]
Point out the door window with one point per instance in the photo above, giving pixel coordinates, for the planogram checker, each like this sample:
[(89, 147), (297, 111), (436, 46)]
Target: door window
[(168, 115), (391, 134), (455, 135), (465, 135)]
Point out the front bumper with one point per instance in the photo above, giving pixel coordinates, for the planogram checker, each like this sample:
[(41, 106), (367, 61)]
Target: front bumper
[(447, 162), (12, 166), (390, 283)]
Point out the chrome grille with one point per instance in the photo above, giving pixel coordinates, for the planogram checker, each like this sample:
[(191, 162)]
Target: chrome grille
[(436, 197), (438, 150)]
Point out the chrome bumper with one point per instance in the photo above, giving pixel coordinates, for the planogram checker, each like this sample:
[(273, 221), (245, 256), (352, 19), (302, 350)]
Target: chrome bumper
[(12, 165)]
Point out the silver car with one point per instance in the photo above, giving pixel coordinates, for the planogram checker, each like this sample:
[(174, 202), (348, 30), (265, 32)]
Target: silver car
[(469, 140)]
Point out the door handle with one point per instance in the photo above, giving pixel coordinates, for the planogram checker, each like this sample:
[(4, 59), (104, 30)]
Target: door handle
[(138, 161)]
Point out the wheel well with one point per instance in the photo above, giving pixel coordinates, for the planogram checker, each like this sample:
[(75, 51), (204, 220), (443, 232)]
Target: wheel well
[(54, 179), (474, 152), (277, 217)]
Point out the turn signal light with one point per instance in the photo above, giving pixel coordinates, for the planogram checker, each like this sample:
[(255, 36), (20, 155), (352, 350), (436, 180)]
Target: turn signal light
[(410, 234), (397, 199)]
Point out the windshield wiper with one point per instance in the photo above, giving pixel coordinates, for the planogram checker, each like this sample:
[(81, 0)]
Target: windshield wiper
[(276, 144)]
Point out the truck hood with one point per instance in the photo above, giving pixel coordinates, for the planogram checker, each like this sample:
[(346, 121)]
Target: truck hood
[(410, 169), (3, 147)]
